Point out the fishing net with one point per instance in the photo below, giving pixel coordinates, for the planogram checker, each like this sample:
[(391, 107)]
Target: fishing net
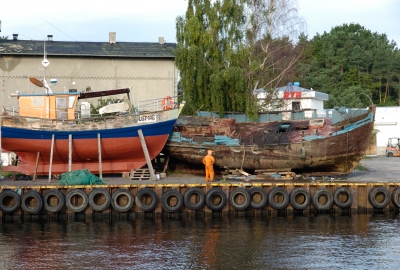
[(80, 177)]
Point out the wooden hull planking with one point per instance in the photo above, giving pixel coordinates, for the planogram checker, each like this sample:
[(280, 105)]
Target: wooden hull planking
[(334, 148)]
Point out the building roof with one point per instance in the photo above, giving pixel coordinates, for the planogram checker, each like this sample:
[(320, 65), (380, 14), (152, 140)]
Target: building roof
[(88, 49)]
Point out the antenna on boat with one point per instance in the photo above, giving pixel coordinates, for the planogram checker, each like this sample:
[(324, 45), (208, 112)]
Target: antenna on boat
[(45, 63)]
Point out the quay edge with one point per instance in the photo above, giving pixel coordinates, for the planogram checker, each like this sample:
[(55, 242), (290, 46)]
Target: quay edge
[(381, 172), (231, 195)]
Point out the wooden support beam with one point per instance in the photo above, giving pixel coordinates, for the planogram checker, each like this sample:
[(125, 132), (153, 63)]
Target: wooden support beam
[(70, 153), (51, 156), (166, 164), (37, 163), (146, 154), (99, 150)]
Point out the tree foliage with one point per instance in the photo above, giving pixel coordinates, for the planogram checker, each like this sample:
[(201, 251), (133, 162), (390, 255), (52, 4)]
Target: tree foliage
[(351, 63), (228, 48)]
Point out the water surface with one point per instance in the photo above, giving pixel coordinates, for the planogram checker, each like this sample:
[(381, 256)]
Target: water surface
[(299, 242)]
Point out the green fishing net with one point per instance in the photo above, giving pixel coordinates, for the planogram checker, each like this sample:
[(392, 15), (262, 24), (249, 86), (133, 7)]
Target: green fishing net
[(80, 177)]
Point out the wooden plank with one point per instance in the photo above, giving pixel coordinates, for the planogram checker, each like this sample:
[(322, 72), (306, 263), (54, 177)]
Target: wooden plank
[(37, 163), (244, 173), (99, 152), (51, 156), (166, 164), (273, 170), (70, 152), (146, 154)]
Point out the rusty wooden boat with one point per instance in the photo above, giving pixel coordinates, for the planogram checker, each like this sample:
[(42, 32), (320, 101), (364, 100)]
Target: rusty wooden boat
[(332, 144)]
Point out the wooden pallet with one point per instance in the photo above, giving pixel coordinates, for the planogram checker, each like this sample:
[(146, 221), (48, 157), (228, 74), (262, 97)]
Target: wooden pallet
[(140, 174)]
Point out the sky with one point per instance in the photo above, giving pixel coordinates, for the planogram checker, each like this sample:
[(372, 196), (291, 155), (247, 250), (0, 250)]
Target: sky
[(147, 20)]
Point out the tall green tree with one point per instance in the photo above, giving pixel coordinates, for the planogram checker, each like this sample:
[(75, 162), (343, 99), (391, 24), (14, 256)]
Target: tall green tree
[(228, 48), (209, 55), (350, 61)]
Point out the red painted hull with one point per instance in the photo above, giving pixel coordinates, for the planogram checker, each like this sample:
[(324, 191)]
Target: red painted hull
[(117, 154)]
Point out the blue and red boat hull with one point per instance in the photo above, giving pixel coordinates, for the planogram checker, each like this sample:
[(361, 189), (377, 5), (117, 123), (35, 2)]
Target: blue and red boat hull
[(121, 149)]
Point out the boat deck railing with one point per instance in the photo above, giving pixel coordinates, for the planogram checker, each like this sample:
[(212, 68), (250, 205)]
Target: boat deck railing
[(153, 105), (337, 115)]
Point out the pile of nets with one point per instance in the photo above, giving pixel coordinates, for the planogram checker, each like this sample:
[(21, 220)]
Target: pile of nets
[(80, 177)]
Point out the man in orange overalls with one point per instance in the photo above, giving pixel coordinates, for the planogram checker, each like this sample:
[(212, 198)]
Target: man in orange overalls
[(208, 161)]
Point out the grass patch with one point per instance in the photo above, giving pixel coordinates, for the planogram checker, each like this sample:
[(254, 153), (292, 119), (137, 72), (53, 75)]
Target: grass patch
[(359, 167)]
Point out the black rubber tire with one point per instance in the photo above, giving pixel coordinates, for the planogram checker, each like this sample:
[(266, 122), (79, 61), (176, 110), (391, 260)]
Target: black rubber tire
[(336, 197), (209, 199), (258, 191), (237, 192), (165, 201), (329, 199), (396, 197), (31, 194), (278, 191), (102, 192), (295, 193), (372, 197), (188, 195), (53, 193), (115, 197), (17, 201), (76, 208), (149, 192)]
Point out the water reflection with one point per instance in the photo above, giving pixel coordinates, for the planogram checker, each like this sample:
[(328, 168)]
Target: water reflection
[(298, 242)]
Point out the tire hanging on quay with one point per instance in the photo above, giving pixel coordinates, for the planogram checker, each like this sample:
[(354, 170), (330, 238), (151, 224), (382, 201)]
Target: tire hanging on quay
[(374, 197), (396, 197), (142, 198), (15, 199), (122, 200), (213, 195), (282, 194), (258, 197), (299, 198), (239, 199), (76, 195), (99, 195), (31, 202), (322, 192), (49, 197), (341, 192), (172, 201), (194, 194)]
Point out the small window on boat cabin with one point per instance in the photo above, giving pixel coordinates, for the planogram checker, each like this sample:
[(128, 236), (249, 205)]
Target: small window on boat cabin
[(296, 106), (71, 101), (283, 128), (61, 103)]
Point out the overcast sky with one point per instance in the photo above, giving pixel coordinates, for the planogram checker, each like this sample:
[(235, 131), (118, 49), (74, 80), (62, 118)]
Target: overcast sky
[(146, 20)]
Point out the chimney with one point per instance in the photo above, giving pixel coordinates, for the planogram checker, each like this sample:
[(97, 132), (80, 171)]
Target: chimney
[(50, 38), (15, 36), (161, 40), (113, 37)]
